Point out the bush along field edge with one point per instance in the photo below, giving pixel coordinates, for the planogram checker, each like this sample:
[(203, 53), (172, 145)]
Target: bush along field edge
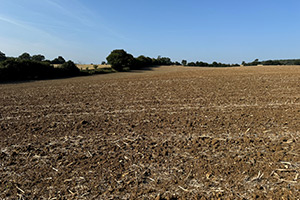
[(36, 67)]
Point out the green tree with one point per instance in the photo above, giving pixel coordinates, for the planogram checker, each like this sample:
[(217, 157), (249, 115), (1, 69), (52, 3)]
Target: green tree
[(214, 64), (58, 60), (297, 62), (25, 56), (143, 61), (184, 62), (22, 69), (256, 62), (69, 69), (164, 61), (191, 64), (2, 56), (202, 64), (120, 59), (38, 57)]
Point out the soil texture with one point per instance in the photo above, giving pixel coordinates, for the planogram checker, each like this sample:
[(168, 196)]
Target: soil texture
[(166, 133)]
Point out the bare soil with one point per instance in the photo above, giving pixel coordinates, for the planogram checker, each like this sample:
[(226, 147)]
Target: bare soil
[(167, 133)]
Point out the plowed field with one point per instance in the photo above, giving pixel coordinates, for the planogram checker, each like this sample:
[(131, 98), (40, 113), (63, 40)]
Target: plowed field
[(166, 133)]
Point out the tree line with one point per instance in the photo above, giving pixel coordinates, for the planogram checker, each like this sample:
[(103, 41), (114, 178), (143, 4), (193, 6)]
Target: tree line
[(120, 60), (205, 64), (27, 67), (272, 62), (38, 57)]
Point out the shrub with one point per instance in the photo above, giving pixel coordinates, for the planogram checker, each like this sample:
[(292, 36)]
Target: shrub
[(142, 61), (16, 69), (69, 69)]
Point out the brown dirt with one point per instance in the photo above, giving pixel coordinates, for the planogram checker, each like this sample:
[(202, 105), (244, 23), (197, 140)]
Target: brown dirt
[(169, 133)]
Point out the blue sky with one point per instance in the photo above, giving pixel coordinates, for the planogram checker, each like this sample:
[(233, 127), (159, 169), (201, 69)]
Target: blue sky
[(86, 31)]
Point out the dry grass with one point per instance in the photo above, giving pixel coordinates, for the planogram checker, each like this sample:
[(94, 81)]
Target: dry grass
[(85, 66), (91, 66)]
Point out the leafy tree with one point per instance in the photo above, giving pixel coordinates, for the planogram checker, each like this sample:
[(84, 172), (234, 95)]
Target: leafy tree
[(163, 61), (256, 62), (58, 60), (38, 57), (191, 64), (120, 59), (2, 56), (143, 61), (25, 56), (297, 62), (69, 69), (274, 62), (184, 62), (103, 63), (215, 64), (201, 64), (22, 69)]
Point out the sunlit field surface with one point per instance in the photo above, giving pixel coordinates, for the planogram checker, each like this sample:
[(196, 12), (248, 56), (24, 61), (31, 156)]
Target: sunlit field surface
[(167, 132)]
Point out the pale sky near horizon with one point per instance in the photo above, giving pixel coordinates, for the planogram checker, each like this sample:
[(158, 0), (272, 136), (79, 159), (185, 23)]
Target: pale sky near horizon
[(86, 31)]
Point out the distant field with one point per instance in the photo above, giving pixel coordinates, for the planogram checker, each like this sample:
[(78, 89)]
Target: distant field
[(81, 66), (170, 132), (84, 66)]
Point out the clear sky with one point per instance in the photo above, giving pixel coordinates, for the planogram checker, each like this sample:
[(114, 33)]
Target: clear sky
[(86, 31)]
